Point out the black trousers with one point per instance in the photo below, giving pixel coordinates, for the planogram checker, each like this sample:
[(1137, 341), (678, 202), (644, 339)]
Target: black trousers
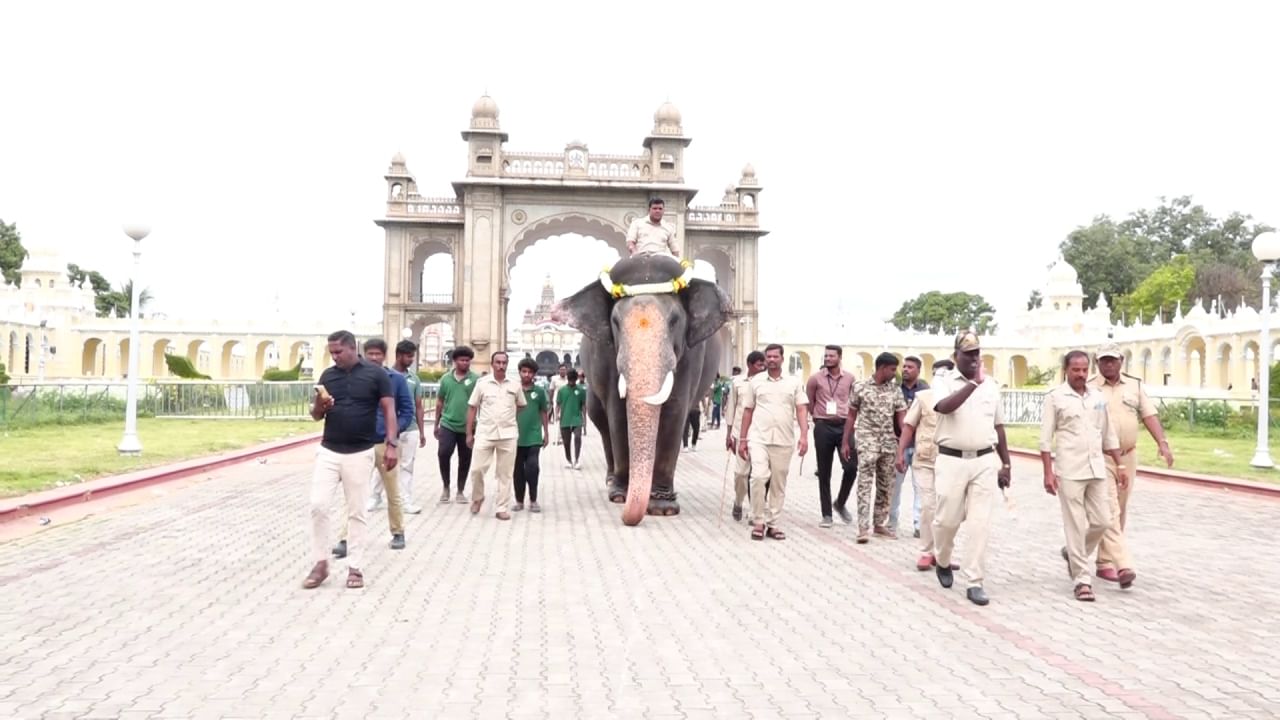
[(693, 423), (826, 442), (576, 434), (448, 441), (526, 472)]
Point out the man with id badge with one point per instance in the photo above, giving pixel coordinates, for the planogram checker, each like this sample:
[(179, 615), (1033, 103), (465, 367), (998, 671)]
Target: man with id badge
[(828, 393)]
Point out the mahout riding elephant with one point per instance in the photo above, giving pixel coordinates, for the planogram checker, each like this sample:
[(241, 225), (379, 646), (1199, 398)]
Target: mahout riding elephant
[(650, 351)]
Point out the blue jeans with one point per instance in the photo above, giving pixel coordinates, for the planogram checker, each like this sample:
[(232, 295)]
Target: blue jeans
[(897, 494)]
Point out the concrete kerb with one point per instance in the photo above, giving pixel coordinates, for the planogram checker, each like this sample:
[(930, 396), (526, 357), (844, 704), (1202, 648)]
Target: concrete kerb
[(25, 505), (1211, 481)]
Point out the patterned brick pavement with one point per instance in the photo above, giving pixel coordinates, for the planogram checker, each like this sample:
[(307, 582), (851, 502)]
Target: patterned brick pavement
[(189, 605)]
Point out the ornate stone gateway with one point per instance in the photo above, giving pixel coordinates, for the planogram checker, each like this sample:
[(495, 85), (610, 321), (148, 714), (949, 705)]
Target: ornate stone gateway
[(511, 200)]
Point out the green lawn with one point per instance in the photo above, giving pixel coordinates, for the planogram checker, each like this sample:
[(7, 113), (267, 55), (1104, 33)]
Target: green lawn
[(1196, 453), (39, 458)]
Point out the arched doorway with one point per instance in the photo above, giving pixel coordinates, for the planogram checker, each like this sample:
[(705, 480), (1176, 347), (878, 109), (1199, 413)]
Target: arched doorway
[(1018, 371), (93, 358), (431, 277), (1222, 364), (1194, 349), (162, 347), (548, 363), (232, 364)]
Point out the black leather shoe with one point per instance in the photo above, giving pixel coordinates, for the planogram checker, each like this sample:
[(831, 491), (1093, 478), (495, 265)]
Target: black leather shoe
[(737, 512), (397, 541), (844, 514), (977, 596), (1064, 554), (945, 578), (340, 550)]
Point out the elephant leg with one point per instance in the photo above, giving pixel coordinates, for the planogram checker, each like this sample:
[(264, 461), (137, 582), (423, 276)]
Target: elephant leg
[(662, 498), (600, 418)]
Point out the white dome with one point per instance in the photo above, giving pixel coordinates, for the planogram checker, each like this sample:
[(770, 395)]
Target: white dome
[(666, 114), (485, 107)]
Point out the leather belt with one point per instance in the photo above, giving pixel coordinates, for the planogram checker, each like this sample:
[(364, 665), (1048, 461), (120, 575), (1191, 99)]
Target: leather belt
[(965, 454), (830, 421)]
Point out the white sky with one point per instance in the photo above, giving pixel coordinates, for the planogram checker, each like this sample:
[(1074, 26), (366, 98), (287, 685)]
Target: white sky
[(253, 136)]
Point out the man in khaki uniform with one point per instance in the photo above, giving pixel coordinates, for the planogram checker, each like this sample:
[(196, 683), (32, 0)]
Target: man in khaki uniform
[(648, 236), (772, 406), (1075, 421), (733, 411), (492, 432), (920, 425), (1127, 403), (967, 471)]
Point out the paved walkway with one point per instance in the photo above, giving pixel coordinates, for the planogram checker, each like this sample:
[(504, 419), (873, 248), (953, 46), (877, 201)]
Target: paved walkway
[(189, 605)]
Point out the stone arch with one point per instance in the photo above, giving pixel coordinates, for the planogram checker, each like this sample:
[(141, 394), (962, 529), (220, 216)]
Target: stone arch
[(13, 352), (123, 362), (548, 363), (261, 355), (719, 259), (1166, 365), (800, 363), (989, 365), (299, 350), (423, 251), (1145, 362), (232, 359), (572, 223), (436, 335), (1193, 347), (1250, 357), (868, 365), (93, 361), (1222, 358), (1018, 370), (161, 347), (199, 352), (926, 364)]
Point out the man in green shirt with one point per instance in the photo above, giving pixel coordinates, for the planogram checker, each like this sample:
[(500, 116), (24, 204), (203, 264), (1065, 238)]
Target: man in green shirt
[(533, 436), (717, 400), (451, 419), (569, 405)]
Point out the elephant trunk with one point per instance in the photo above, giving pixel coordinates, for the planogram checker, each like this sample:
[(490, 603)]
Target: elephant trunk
[(646, 366)]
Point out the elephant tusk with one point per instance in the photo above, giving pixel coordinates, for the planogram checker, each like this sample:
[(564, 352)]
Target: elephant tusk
[(622, 386), (664, 392)]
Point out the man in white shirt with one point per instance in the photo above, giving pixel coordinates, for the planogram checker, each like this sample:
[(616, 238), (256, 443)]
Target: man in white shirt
[(648, 236)]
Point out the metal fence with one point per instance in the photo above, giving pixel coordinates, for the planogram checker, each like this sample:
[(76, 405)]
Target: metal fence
[(1025, 407), (78, 403)]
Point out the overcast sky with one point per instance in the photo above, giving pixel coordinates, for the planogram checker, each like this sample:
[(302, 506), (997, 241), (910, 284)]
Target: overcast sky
[(903, 147)]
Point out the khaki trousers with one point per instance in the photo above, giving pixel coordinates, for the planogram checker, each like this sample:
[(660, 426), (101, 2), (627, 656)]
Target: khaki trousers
[(923, 475), (483, 455), (390, 480), (351, 471), (965, 492), (769, 464), (1086, 514), (741, 472), (1113, 552)]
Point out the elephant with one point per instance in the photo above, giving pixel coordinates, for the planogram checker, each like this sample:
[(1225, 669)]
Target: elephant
[(650, 351)]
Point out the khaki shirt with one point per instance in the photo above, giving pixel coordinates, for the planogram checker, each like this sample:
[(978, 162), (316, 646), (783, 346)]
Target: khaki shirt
[(973, 425), (773, 406), (496, 405), (1080, 426), (924, 419), (1127, 406), (648, 238), (733, 404)]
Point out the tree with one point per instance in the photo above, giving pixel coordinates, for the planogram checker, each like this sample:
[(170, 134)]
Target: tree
[(937, 312), (107, 301), (12, 254), (1035, 301), (1226, 283), (124, 299), (1162, 290), (1106, 259)]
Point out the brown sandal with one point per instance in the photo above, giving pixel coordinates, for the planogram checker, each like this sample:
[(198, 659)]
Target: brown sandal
[(775, 533), (1084, 593), (757, 532), (318, 574), (355, 579)]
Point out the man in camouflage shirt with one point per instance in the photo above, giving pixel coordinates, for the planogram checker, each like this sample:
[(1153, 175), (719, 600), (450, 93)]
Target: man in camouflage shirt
[(874, 406)]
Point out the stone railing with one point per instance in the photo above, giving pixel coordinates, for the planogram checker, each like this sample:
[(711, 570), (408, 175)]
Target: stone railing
[(722, 215), (419, 206), (548, 165)]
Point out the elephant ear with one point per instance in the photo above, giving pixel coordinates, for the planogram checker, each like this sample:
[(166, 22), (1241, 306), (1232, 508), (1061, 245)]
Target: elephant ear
[(587, 311), (707, 307)]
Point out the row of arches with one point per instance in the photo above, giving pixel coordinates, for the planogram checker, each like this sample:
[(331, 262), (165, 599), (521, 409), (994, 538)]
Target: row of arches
[(22, 352), (230, 359)]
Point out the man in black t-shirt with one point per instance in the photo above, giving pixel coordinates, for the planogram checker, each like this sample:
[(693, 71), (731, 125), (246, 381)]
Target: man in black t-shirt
[(349, 396)]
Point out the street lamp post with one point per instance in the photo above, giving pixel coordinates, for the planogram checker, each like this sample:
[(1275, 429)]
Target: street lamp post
[(1266, 247), (129, 444)]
